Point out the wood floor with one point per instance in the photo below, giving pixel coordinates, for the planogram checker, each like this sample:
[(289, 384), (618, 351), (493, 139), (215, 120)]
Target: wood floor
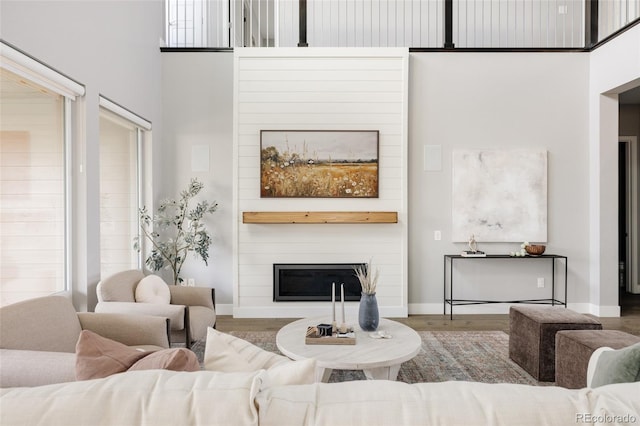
[(629, 321)]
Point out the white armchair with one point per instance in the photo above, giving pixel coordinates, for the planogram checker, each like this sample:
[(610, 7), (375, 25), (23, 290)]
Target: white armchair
[(190, 309)]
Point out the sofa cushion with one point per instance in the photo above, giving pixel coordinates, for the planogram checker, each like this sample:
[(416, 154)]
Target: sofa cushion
[(175, 313), (98, 357), (301, 372), (192, 296), (614, 404), (47, 323), (159, 397), (151, 397), (153, 289), (119, 287), (224, 352), (617, 366), (200, 318), (20, 368), (382, 402)]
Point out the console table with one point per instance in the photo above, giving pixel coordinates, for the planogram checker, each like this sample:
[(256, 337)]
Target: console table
[(553, 258)]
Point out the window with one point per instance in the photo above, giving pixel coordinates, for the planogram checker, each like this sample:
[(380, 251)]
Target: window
[(32, 221), (35, 140), (121, 167), (187, 21)]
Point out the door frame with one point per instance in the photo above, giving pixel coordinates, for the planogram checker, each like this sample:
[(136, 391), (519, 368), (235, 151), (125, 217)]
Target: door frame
[(633, 185)]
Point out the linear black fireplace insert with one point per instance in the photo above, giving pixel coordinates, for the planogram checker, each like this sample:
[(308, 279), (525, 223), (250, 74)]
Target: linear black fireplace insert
[(305, 282)]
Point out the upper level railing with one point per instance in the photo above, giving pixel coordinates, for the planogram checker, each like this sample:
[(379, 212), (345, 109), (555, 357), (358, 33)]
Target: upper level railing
[(545, 24)]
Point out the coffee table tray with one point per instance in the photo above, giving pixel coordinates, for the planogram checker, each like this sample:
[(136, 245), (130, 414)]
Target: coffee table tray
[(313, 338)]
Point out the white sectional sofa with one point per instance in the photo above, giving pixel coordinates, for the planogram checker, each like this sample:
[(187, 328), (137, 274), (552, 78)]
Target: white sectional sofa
[(158, 397)]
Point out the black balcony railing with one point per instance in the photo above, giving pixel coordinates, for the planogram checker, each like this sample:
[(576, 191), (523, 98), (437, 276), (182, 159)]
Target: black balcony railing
[(511, 24)]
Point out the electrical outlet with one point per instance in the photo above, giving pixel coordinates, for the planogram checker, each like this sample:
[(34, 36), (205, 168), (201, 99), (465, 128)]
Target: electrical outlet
[(437, 235), (540, 282), (191, 282)]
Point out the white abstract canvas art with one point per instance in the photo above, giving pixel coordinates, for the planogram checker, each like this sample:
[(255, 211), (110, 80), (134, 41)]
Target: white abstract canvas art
[(500, 195)]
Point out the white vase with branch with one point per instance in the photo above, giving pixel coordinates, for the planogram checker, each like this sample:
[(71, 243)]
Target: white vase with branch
[(176, 230), (368, 315)]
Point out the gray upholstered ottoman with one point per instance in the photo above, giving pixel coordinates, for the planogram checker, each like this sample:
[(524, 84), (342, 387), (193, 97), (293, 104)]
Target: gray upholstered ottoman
[(532, 336), (575, 347)]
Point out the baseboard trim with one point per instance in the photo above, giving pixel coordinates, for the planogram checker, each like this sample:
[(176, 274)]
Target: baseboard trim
[(583, 308), (503, 308), (312, 311), (425, 308), (224, 309), (400, 312), (605, 311)]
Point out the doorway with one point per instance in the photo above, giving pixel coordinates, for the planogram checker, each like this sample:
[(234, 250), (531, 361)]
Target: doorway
[(629, 211), (628, 246)]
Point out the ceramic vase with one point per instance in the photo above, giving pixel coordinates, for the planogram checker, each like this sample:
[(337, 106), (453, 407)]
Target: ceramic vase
[(368, 316)]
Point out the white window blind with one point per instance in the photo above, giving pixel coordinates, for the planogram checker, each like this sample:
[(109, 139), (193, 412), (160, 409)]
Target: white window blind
[(121, 134), (32, 189)]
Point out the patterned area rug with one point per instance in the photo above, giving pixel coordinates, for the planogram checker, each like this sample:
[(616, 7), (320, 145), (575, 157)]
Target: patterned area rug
[(477, 356)]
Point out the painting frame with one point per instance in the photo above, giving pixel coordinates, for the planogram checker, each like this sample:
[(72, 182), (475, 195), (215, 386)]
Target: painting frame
[(319, 163)]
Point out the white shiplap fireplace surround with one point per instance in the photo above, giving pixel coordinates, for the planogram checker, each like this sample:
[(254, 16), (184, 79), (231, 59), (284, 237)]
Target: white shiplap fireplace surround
[(319, 89)]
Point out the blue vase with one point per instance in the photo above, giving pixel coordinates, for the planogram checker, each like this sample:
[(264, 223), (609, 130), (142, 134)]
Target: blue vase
[(368, 316)]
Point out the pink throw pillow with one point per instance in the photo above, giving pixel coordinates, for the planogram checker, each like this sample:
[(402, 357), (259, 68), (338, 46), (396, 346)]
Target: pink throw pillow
[(179, 359), (98, 357)]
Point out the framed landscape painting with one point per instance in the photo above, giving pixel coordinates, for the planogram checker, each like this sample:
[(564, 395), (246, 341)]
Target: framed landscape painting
[(319, 163)]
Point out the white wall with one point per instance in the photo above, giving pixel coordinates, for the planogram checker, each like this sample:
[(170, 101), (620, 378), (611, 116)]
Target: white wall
[(497, 101), (112, 48), (551, 100), (459, 100), (614, 68), (320, 89), (197, 102)]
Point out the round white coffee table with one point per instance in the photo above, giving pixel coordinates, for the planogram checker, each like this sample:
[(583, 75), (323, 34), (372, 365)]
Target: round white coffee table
[(377, 358)]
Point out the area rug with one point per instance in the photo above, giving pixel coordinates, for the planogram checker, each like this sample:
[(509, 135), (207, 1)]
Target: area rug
[(477, 356)]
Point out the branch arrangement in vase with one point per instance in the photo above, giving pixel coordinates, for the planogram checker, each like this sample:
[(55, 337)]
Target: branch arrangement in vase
[(176, 230), (368, 279)]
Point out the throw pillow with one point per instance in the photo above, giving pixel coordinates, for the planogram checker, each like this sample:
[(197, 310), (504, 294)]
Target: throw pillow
[(617, 366), (224, 352), (98, 357), (153, 289), (227, 353), (301, 372), (179, 359)]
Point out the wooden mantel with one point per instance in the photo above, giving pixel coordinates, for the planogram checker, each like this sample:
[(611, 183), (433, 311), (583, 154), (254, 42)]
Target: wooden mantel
[(319, 217)]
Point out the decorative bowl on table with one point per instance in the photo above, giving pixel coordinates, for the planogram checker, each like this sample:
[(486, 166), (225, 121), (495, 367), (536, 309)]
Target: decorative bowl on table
[(534, 249)]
